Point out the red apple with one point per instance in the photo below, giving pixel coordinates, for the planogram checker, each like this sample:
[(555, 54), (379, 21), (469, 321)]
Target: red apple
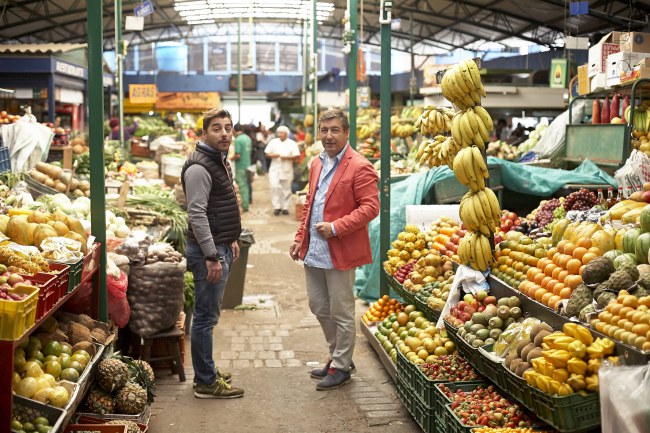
[(646, 196), (481, 308)]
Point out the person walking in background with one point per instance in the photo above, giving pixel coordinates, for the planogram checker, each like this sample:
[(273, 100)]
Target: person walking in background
[(282, 151), (242, 158), (212, 233), (332, 240)]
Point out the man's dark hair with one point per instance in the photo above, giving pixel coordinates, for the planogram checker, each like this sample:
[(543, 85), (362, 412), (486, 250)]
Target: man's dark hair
[(501, 122), (238, 127), (215, 113), (335, 114)]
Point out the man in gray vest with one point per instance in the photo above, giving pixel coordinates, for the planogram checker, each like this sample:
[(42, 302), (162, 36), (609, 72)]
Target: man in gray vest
[(212, 234)]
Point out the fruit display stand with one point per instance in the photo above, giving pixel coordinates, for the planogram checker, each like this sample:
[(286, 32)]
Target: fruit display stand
[(369, 332), (7, 348)]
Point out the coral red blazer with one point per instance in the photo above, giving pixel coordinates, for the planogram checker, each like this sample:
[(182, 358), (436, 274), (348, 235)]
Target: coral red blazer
[(352, 201)]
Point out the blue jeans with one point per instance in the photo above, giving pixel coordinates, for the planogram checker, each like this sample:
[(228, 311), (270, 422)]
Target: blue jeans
[(207, 309)]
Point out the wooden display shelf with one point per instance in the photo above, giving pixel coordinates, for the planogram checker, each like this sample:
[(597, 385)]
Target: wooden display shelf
[(369, 333)]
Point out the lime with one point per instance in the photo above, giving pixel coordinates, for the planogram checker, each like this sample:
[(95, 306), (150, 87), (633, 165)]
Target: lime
[(70, 374), (41, 420), (66, 349), (52, 348), (28, 426), (77, 366), (49, 358), (53, 368), (80, 359), (82, 353), (65, 360), (16, 425)]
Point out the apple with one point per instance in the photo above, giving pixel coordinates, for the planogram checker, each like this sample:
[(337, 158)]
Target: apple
[(490, 300), (468, 298), (616, 120), (646, 196), (481, 295), (481, 308)]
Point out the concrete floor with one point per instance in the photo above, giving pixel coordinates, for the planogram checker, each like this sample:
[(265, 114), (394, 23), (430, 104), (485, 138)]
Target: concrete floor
[(267, 350)]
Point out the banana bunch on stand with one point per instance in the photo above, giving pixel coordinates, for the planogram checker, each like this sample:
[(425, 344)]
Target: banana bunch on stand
[(402, 130), (437, 151), (471, 128), (641, 118), (435, 120)]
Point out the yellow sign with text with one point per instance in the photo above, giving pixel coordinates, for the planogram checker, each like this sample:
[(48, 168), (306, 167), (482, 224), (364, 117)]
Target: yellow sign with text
[(142, 93), (188, 100)]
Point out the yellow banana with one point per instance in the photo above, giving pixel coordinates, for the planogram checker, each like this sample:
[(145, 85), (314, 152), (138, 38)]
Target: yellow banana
[(455, 128), (482, 129), (485, 117), (459, 79), (494, 204), (466, 127), (479, 163), (474, 72), (485, 206)]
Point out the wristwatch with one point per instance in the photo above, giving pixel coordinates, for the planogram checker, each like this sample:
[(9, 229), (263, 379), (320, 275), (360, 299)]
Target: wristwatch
[(215, 258)]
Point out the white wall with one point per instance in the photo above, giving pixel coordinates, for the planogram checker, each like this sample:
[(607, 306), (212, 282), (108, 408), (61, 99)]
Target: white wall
[(252, 110)]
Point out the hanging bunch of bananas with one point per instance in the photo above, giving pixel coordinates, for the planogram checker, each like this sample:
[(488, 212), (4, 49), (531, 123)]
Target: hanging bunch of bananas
[(462, 86), (437, 151), (475, 249), (470, 168), (402, 130), (435, 120), (480, 211), (366, 131), (641, 118), (472, 126)]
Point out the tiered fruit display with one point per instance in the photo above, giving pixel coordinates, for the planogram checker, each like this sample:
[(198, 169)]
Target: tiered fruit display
[(569, 361), (435, 120), (486, 326), (429, 269), (435, 294), (484, 406), (409, 246), (382, 308), (124, 386), (449, 368), (515, 255), (626, 319), (412, 334)]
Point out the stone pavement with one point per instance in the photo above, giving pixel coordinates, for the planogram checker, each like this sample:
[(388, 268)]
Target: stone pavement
[(270, 351)]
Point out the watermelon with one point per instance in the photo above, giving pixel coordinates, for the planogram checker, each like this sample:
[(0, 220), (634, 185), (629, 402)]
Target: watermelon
[(645, 219), (629, 240), (642, 247), (625, 258), (612, 254)]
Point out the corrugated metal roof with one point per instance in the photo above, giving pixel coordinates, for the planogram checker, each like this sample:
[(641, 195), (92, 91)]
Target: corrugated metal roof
[(39, 48)]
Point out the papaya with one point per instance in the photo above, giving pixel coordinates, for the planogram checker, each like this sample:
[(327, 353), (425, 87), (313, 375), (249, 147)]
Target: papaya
[(60, 228), (4, 219), (18, 230), (568, 233), (618, 239), (59, 215), (632, 216), (77, 237), (42, 232), (603, 241), (75, 226), (38, 217), (558, 230)]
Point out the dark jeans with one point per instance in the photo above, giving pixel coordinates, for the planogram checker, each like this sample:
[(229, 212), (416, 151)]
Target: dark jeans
[(207, 309)]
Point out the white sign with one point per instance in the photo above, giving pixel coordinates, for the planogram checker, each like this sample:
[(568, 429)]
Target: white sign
[(69, 69), (135, 24)]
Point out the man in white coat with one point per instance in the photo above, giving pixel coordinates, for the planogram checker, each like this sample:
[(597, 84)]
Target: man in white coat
[(282, 151)]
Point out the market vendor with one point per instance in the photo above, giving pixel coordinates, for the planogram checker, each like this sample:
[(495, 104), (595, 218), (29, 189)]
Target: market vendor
[(282, 151), (114, 123), (212, 233)]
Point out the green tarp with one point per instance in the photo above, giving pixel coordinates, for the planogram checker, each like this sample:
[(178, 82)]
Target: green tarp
[(516, 177)]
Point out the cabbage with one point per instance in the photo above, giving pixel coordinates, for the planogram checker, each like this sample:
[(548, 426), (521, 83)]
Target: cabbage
[(62, 202), (122, 231), (110, 217), (119, 221), (111, 227), (86, 224), (82, 206)]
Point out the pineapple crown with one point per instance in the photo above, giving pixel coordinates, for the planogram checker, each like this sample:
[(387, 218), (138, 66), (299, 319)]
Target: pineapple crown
[(139, 374)]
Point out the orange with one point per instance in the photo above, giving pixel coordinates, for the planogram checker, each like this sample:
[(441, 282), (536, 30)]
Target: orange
[(573, 266), (584, 243), (554, 299), (541, 263), (579, 253), (539, 277), (582, 268), (531, 273), (546, 297), (539, 294), (568, 248), (550, 253), (596, 251), (550, 284), (563, 260), (548, 270), (556, 257), (556, 272), (588, 257), (557, 288), (565, 293), (562, 276), (561, 244), (545, 281), (573, 281)]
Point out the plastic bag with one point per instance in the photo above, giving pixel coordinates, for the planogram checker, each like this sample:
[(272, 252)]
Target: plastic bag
[(624, 398), (509, 338), (118, 305), (471, 280), (553, 142), (635, 172)]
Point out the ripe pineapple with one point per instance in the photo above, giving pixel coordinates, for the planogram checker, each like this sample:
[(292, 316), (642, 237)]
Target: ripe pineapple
[(99, 401), (131, 426), (131, 399), (142, 374), (147, 368), (112, 374)]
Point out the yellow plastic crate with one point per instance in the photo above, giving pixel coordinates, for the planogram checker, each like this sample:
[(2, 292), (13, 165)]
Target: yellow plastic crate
[(18, 316)]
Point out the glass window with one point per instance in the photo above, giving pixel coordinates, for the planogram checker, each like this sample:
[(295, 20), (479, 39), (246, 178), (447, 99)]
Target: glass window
[(334, 57), (196, 56), (265, 56), (233, 55), (145, 58), (289, 57), (217, 60), (129, 60)]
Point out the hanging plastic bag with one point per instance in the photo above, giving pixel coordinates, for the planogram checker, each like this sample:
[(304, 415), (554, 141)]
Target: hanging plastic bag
[(118, 305), (624, 398), (473, 281)]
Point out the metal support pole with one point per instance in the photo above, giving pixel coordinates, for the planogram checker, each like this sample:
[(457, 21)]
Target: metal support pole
[(51, 100), (352, 72), (305, 64), (385, 100), (119, 69), (412, 82), (314, 87), (239, 79), (96, 141)]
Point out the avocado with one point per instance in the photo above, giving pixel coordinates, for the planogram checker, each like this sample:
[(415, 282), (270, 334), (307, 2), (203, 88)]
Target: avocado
[(483, 334), (480, 318)]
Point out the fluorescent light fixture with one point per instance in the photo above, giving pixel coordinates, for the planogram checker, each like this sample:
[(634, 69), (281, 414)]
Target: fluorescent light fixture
[(209, 11), (7, 90)]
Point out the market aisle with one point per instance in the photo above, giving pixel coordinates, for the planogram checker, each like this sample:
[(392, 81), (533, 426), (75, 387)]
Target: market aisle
[(267, 351)]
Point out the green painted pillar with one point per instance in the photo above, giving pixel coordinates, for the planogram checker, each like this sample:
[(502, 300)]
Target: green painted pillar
[(239, 78), (385, 100), (352, 72), (119, 70), (96, 141), (314, 87)]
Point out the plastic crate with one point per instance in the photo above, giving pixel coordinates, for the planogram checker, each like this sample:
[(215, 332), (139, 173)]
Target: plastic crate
[(25, 410), (96, 428), (5, 161), (406, 369), (518, 387), (76, 270), (47, 292), (92, 420), (452, 423), (491, 369), (571, 413), (91, 261), (452, 332), (62, 281), (420, 413), (16, 317), (440, 399), (141, 418), (37, 189)]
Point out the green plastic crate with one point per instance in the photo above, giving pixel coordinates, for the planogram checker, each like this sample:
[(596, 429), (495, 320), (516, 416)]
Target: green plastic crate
[(491, 369), (406, 369), (571, 413), (452, 423), (518, 388), (440, 399), (425, 388), (76, 269), (422, 415)]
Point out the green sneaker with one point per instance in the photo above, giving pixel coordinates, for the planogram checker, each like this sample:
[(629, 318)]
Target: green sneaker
[(220, 389), (225, 376)]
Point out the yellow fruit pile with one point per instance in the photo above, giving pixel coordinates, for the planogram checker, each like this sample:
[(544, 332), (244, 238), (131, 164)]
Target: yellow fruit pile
[(570, 361), (384, 307), (27, 227), (626, 319), (410, 245)]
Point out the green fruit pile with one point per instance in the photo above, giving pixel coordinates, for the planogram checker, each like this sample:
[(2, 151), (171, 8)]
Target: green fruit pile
[(485, 327), (37, 425)]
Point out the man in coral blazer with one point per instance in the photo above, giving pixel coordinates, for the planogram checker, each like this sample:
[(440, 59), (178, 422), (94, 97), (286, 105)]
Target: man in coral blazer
[(332, 241)]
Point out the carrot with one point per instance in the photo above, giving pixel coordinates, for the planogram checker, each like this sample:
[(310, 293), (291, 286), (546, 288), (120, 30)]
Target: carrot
[(595, 112)]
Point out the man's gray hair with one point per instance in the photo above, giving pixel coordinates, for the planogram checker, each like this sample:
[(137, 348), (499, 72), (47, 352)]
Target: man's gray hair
[(283, 129), (335, 114)]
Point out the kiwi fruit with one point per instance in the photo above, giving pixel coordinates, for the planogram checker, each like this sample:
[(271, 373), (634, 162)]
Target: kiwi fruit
[(514, 364), (535, 353), (539, 339), (537, 328), (520, 346), (523, 366), (511, 357), (524, 353)]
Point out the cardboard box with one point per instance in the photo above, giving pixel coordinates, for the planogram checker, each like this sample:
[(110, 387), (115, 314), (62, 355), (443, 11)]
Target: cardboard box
[(599, 52), (635, 41), (621, 63), (583, 79), (637, 73), (598, 82)]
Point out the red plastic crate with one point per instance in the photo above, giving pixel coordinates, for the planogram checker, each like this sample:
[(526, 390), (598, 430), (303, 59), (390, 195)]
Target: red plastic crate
[(62, 273), (83, 419), (91, 261), (96, 428), (47, 293)]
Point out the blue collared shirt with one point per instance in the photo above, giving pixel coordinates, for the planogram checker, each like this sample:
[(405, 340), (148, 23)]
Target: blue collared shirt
[(318, 253)]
